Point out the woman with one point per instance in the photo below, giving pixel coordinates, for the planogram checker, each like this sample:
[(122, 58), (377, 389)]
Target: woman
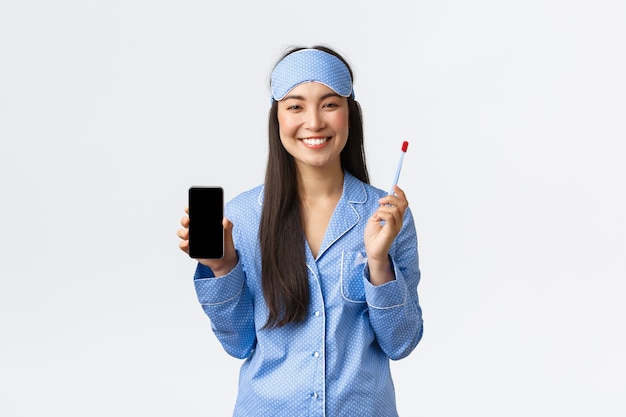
[(317, 289)]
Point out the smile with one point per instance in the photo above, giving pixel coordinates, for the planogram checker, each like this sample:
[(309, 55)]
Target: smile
[(314, 141)]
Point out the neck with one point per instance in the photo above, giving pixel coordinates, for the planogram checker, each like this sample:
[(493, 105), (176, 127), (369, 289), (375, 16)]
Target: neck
[(314, 184)]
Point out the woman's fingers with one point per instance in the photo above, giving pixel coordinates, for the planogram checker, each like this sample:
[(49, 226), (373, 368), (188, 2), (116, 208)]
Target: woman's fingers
[(396, 201), (184, 246), (183, 233), (388, 216), (219, 266)]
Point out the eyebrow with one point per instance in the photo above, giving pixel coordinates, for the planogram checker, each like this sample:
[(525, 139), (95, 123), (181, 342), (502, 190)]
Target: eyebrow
[(324, 97)]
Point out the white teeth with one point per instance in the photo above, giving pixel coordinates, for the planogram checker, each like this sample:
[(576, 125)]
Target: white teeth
[(314, 142)]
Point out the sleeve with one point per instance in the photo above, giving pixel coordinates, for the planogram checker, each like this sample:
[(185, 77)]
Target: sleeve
[(228, 303), (394, 310)]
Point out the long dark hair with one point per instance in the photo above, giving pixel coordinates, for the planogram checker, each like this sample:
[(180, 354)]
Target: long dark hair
[(284, 272)]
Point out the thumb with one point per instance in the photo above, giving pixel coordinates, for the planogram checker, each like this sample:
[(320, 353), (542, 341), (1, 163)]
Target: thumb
[(228, 233)]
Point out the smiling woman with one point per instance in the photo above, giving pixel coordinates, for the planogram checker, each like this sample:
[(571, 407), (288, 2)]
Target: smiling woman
[(314, 129), (332, 297)]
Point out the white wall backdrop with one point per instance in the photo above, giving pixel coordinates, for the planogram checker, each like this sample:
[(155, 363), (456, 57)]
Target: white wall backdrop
[(515, 113)]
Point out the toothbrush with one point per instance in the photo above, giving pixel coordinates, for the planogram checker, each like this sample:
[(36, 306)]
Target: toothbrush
[(405, 145)]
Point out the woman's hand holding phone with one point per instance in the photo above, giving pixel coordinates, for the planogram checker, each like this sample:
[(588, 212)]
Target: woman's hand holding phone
[(220, 267)]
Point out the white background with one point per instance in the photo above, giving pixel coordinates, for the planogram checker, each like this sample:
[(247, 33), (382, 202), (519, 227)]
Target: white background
[(110, 110)]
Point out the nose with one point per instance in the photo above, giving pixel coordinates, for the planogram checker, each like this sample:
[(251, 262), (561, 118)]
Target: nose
[(315, 120)]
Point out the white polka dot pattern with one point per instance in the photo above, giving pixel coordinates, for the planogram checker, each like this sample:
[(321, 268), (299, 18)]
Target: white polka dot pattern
[(336, 363), (310, 65)]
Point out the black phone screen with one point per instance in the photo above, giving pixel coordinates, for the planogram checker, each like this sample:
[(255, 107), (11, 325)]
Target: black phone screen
[(206, 233)]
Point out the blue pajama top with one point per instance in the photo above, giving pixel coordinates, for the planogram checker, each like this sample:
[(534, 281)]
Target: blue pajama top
[(335, 363)]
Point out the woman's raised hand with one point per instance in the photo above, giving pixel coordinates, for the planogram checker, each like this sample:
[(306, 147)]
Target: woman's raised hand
[(380, 232), (219, 267)]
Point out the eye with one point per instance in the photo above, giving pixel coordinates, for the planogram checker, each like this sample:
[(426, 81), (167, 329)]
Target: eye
[(294, 107), (330, 105)]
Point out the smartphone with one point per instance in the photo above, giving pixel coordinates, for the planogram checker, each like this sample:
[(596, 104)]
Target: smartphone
[(206, 233)]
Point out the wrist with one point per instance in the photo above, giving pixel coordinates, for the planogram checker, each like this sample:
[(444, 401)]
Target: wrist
[(220, 268), (380, 271)]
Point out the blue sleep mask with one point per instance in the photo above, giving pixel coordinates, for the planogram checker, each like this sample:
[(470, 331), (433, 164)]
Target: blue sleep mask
[(308, 65)]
